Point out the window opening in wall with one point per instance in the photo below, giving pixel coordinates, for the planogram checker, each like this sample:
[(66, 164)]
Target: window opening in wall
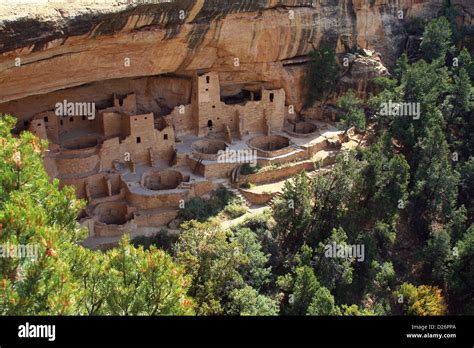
[(38, 124), (61, 122), (242, 97), (209, 123), (71, 119), (45, 119), (257, 96), (83, 118), (165, 137), (139, 140), (208, 79), (272, 96), (26, 123)]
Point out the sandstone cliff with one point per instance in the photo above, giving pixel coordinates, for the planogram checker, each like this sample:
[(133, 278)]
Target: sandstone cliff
[(247, 41)]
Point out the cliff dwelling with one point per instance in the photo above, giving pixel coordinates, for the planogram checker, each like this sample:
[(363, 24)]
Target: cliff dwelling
[(137, 169), (143, 117)]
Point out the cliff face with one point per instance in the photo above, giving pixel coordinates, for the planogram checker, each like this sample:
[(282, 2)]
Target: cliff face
[(247, 41)]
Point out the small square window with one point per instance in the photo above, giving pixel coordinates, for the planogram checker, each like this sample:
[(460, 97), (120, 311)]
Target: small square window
[(139, 140), (165, 136), (45, 119), (71, 119), (26, 123), (61, 122)]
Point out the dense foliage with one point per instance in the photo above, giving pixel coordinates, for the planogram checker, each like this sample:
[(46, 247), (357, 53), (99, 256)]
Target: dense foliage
[(221, 201), (322, 73)]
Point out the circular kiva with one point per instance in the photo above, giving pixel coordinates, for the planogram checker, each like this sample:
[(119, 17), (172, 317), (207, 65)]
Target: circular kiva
[(301, 129), (208, 149), (112, 213), (270, 145), (161, 179)]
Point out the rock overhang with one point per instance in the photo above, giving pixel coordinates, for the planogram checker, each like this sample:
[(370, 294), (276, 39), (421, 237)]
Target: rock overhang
[(57, 50)]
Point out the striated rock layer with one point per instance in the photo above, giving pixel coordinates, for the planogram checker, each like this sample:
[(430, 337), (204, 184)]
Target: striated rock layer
[(261, 42)]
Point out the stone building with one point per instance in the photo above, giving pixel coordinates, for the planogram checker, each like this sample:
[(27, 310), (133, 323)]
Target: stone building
[(261, 112), (136, 170)]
